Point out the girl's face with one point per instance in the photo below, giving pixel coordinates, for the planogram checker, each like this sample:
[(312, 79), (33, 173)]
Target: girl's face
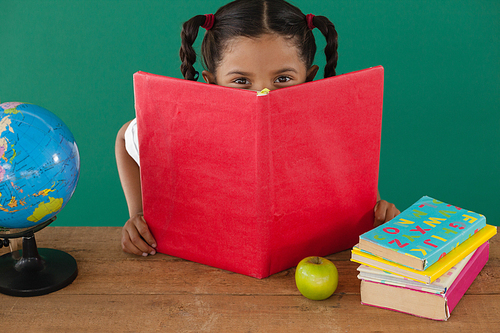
[(269, 61)]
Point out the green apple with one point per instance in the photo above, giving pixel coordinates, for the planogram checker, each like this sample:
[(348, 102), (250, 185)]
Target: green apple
[(316, 278)]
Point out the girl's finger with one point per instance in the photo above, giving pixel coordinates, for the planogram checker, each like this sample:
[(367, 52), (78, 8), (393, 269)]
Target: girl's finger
[(128, 246), (138, 242), (145, 233)]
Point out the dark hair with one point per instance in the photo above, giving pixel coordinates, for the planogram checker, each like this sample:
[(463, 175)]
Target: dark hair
[(253, 18)]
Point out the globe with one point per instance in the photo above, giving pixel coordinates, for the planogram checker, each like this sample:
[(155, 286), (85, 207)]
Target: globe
[(39, 165)]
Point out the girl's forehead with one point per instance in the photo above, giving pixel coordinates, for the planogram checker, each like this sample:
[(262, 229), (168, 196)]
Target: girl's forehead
[(268, 48), (274, 41)]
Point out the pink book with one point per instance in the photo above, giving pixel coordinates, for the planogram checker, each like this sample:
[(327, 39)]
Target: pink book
[(425, 304)]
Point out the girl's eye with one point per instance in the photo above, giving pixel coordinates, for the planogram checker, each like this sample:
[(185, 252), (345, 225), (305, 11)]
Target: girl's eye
[(241, 80), (282, 79)]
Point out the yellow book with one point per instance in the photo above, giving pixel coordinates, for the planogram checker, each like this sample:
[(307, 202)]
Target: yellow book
[(434, 271)]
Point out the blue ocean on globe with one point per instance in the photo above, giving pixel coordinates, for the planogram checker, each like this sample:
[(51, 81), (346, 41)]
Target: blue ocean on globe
[(39, 165)]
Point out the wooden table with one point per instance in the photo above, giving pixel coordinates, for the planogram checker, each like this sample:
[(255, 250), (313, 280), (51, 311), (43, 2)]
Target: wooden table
[(116, 292)]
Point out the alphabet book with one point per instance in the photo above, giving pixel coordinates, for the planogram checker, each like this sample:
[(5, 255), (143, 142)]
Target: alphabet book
[(422, 234)]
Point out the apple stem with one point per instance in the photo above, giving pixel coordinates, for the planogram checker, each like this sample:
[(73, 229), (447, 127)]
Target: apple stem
[(316, 260)]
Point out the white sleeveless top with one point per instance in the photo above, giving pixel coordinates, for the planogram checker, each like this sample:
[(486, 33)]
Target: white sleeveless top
[(132, 141)]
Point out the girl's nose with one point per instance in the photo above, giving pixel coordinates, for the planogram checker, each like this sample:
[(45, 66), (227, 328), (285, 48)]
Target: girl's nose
[(259, 86)]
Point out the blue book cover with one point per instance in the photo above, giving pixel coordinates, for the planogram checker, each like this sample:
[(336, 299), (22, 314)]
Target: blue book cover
[(422, 234)]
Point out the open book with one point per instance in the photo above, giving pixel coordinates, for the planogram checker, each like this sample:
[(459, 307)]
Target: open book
[(253, 184)]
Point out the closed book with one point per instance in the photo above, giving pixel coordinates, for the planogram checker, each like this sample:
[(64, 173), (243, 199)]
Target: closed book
[(421, 303), (438, 287), (422, 234), (433, 272)]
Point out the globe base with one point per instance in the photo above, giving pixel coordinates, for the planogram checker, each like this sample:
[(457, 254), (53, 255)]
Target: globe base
[(35, 272)]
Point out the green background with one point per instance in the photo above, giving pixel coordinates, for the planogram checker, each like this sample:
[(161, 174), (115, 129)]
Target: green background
[(441, 126)]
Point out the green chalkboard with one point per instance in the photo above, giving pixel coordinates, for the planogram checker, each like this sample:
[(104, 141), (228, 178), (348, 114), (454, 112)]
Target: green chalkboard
[(441, 127)]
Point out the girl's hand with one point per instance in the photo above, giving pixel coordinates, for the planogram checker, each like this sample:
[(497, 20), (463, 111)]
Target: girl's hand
[(136, 237), (384, 211)]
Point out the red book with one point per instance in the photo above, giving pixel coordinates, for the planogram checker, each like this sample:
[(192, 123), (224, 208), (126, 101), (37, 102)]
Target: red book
[(421, 303), (254, 183)]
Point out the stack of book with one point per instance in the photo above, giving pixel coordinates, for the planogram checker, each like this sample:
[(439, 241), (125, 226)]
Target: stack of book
[(423, 261)]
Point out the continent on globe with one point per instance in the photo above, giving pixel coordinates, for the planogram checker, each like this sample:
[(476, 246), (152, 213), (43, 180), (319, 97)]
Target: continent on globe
[(39, 165), (4, 126), (44, 209)]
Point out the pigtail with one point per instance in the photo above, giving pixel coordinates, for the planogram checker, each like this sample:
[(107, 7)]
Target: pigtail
[(187, 53), (328, 30)]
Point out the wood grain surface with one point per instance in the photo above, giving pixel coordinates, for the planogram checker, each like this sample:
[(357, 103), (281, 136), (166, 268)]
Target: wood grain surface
[(117, 292)]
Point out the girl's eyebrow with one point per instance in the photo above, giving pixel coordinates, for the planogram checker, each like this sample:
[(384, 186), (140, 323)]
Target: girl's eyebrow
[(282, 70), (236, 72), (286, 69)]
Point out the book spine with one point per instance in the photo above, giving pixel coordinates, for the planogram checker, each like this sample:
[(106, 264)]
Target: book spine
[(264, 180), (467, 276), (469, 225)]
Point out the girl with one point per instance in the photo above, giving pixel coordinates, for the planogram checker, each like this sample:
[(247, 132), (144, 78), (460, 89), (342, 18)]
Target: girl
[(249, 44)]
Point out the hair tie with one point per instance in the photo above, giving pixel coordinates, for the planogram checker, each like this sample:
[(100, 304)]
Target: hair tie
[(309, 19), (209, 21)]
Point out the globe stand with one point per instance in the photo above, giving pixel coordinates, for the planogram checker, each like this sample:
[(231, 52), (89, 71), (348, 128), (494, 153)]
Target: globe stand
[(32, 271)]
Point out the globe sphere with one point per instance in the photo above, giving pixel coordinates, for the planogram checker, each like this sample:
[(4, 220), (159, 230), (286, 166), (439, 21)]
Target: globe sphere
[(39, 165)]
